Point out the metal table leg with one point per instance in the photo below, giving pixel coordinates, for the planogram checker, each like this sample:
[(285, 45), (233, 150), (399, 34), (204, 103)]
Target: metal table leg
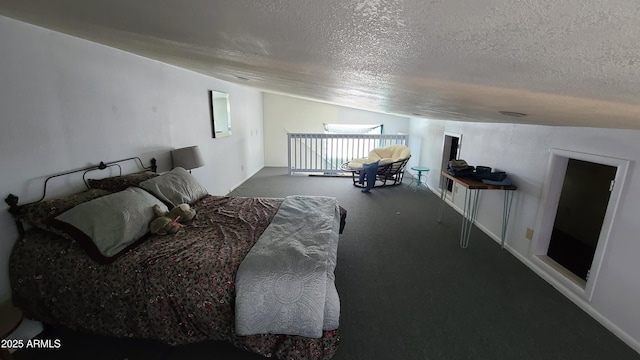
[(443, 194), (413, 181), (508, 200), (471, 197)]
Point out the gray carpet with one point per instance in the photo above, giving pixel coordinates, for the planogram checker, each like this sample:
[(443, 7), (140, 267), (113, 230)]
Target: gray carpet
[(407, 290)]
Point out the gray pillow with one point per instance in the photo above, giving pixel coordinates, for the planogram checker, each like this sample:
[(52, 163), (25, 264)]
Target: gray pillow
[(121, 182), (175, 187), (109, 225), (37, 214)]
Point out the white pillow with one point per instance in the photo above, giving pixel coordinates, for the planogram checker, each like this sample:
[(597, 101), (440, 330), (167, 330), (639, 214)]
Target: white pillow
[(175, 187), (106, 226)]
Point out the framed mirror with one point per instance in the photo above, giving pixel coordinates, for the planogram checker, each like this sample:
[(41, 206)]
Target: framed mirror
[(219, 109)]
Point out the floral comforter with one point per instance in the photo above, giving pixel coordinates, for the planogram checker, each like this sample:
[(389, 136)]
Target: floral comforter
[(177, 288)]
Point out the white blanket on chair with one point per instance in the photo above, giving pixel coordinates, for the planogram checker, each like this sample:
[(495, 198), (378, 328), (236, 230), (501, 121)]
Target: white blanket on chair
[(285, 285)]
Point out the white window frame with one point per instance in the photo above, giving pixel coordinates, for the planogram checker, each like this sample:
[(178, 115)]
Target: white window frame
[(556, 171)]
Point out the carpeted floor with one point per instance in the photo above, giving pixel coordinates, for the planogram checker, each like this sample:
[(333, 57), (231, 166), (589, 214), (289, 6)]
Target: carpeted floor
[(407, 290)]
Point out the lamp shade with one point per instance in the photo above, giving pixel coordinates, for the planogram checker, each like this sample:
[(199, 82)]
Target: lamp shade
[(188, 158)]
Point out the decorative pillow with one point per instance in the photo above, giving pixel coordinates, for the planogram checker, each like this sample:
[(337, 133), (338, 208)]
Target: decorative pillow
[(119, 183), (108, 226), (175, 187), (36, 214)]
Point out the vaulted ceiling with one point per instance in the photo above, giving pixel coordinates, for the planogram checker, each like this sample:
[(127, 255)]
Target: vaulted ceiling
[(567, 63)]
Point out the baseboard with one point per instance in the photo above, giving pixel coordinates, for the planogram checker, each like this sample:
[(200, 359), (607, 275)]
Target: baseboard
[(242, 182), (564, 290), (578, 300)]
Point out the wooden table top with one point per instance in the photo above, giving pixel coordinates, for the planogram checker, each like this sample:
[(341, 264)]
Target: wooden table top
[(10, 319), (473, 184)]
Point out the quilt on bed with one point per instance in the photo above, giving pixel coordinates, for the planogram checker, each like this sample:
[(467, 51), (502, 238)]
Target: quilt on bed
[(178, 289), (285, 285)]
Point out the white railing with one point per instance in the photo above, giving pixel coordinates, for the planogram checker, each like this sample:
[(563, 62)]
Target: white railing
[(325, 153)]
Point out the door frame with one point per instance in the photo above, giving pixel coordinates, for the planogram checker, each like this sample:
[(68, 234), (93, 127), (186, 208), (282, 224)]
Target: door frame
[(556, 171), (445, 160)]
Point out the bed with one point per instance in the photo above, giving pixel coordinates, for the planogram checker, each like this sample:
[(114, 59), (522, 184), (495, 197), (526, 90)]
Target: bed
[(202, 283)]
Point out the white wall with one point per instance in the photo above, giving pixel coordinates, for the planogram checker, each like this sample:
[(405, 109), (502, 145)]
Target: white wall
[(285, 114), (523, 151), (66, 103)]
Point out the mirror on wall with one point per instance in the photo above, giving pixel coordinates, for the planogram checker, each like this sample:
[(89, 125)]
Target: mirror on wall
[(219, 109)]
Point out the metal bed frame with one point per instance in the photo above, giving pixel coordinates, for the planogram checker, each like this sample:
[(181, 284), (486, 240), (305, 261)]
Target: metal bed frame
[(12, 200)]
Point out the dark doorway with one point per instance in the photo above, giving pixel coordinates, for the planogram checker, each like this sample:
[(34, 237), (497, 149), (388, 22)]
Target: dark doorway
[(581, 209), (450, 152)]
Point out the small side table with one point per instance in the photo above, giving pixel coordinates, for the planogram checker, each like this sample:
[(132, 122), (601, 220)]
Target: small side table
[(420, 170), (10, 319)]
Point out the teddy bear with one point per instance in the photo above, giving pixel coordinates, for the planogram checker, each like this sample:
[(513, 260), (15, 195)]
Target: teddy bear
[(170, 222), (184, 211)]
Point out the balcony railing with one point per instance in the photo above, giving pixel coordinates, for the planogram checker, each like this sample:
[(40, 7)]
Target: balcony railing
[(325, 153)]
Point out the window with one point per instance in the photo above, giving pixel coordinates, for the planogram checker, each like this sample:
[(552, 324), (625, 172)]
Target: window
[(352, 129)]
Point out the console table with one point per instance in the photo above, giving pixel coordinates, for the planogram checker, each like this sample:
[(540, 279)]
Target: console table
[(470, 211)]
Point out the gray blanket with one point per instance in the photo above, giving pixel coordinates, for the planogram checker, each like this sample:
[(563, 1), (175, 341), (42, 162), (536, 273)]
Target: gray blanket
[(285, 284)]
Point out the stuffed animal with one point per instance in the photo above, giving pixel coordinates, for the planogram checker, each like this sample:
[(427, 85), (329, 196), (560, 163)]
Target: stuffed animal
[(163, 224), (170, 222), (184, 211)]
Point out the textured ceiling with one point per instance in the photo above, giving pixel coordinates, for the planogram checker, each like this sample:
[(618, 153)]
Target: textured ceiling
[(572, 62)]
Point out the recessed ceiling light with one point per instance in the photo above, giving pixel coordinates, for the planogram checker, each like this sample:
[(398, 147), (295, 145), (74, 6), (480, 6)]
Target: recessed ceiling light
[(512, 113)]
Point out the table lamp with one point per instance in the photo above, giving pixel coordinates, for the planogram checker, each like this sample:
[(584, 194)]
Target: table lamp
[(187, 158)]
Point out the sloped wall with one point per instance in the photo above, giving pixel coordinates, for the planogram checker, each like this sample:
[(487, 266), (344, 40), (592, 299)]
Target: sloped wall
[(523, 151)]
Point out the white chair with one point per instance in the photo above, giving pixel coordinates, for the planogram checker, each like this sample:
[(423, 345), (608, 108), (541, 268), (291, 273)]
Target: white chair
[(391, 159)]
